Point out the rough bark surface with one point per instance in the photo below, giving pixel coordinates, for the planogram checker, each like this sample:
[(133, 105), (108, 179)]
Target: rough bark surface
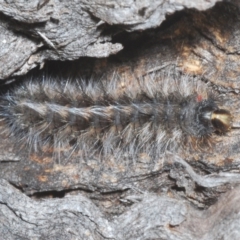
[(36, 31), (194, 195)]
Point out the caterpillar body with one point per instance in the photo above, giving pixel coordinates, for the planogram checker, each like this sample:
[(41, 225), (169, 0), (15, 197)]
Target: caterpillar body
[(112, 118)]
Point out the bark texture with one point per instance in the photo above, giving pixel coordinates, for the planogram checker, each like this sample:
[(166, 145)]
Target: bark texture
[(193, 195)]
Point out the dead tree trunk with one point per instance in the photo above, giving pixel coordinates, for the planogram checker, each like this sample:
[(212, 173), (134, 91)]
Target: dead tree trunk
[(188, 195)]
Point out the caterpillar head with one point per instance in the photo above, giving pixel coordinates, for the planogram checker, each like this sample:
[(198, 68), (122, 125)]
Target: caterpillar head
[(221, 120), (206, 117)]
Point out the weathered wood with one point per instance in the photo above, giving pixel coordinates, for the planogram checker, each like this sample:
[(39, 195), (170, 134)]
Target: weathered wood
[(36, 31), (150, 217), (110, 199)]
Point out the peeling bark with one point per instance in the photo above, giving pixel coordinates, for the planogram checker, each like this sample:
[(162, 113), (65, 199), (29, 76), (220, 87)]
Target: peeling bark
[(150, 217)]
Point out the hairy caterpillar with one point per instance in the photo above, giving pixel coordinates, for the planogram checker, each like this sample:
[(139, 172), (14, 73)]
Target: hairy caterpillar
[(112, 118)]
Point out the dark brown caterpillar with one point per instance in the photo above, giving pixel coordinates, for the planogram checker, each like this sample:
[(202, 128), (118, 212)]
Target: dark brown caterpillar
[(102, 119)]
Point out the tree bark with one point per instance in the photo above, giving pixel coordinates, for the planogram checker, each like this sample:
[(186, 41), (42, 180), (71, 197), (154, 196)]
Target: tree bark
[(190, 195)]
